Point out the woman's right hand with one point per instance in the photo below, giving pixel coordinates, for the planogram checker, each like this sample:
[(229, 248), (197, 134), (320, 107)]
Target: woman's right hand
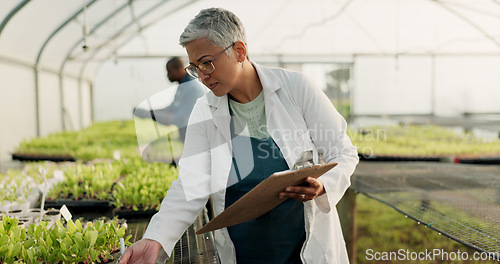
[(144, 251)]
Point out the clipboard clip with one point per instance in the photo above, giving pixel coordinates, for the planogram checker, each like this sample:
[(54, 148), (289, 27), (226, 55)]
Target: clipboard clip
[(305, 160)]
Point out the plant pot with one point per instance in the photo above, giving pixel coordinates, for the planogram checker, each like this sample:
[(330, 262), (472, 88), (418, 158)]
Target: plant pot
[(23, 206), (36, 214), (24, 221), (34, 197), (5, 207), (15, 207), (51, 216)]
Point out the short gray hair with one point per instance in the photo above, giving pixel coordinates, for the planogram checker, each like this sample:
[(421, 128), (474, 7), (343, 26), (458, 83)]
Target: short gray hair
[(220, 26)]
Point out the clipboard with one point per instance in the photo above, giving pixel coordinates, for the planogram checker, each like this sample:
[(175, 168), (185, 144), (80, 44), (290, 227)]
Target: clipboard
[(264, 197)]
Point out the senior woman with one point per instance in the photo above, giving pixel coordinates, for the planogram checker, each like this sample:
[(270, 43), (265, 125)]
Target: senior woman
[(254, 122)]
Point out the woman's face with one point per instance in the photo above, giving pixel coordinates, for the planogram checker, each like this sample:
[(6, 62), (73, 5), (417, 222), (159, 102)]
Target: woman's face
[(226, 73)]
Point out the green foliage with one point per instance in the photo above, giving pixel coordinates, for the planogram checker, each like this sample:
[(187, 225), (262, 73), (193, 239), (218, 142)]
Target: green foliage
[(97, 141), (15, 186), (72, 243), (131, 184), (415, 140), (145, 186), (87, 182), (13, 189)]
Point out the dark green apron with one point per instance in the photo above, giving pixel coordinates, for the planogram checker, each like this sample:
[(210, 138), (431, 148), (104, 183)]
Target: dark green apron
[(277, 236)]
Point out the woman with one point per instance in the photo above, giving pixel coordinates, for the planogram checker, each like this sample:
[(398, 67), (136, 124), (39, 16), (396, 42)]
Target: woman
[(255, 121)]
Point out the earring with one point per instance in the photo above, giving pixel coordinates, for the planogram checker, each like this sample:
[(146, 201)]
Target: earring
[(243, 64)]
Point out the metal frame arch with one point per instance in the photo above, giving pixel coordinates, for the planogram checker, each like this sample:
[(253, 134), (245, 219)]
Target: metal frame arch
[(139, 30), (37, 66), (95, 50), (132, 36), (91, 58), (11, 14), (148, 25), (467, 20), (77, 43)]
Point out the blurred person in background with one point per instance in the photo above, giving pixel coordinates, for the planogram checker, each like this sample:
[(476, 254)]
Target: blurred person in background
[(188, 91), (282, 115)]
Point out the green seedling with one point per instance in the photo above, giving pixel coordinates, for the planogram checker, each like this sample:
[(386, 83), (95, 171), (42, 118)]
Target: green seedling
[(72, 243)]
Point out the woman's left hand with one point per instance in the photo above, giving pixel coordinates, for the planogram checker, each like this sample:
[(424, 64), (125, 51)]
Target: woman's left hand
[(304, 193)]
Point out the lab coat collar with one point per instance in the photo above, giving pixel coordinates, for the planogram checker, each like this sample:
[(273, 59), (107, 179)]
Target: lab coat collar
[(220, 108), (270, 83)]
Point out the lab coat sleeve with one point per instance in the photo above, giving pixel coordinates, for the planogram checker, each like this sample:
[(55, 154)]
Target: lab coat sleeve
[(180, 207), (328, 132)]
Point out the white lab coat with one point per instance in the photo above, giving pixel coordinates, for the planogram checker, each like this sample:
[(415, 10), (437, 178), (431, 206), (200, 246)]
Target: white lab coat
[(300, 117)]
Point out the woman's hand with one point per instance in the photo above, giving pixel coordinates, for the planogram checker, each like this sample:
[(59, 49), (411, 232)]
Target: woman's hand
[(304, 193), (144, 251)]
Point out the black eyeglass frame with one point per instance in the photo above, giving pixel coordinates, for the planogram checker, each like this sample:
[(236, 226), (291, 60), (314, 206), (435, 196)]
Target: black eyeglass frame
[(193, 69)]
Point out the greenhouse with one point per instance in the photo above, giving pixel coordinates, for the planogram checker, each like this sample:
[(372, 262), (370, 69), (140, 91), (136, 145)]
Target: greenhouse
[(90, 144)]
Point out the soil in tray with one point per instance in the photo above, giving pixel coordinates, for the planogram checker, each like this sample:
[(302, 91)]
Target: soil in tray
[(400, 158), (116, 258), (88, 209), (492, 160), (41, 157), (130, 213)]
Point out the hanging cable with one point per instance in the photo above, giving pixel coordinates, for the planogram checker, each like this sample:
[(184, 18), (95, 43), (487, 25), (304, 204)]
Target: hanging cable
[(366, 32), (315, 24), (139, 26), (85, 47), (468, 21)]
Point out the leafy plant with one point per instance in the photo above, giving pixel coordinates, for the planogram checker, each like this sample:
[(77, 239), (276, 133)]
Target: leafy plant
[(97, 141), (145, 187), (86, 181), (14, 186), (72, 243), (417, 140)]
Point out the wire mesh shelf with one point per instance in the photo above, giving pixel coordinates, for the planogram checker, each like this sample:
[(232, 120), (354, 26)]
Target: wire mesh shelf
[(461, 202), (191, 248)]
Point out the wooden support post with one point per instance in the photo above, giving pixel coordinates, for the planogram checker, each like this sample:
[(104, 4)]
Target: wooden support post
[(347, 213)]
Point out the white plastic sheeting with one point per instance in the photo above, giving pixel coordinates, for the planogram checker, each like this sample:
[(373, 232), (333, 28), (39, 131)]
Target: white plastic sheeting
[(413, 56)]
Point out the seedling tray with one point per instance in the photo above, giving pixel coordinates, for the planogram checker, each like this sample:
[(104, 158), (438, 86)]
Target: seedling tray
[(88, 209), (77, 203), (130, 213), (401, 158), (478, 160), (41, 157)]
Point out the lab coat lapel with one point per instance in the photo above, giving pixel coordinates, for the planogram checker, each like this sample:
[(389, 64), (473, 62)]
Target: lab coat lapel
[(220, 114), (276, 115), (270, 84)]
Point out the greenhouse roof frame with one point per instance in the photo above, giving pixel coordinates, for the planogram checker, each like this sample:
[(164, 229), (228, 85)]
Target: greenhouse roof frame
[(301, 37)]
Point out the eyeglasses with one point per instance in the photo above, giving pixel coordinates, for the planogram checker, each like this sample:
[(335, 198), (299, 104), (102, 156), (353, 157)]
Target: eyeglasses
[(206, 67)]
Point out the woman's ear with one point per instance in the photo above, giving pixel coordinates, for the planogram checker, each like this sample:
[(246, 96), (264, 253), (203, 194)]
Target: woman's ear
[(241, 50)]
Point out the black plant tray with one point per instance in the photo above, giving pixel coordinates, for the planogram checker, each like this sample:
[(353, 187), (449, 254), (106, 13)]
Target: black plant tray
[(401, 158), (478, 160), (77, 203), (88, 209), (129, 213), (41, 157), (116, 257)]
